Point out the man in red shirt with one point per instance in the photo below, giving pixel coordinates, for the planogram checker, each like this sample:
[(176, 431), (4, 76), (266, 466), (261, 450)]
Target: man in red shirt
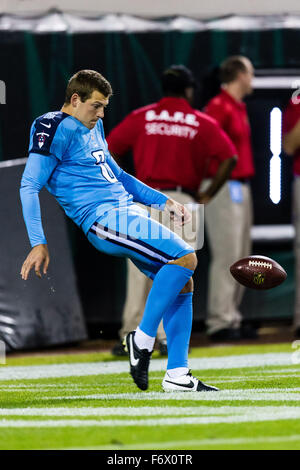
[(172, 146), (228, 218), (291, 146)]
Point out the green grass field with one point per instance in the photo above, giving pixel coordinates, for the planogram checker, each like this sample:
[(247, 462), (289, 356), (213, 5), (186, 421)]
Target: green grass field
[(88, 401)]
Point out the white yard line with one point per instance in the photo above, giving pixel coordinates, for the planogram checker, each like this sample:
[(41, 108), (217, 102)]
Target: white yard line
[(88, 388), (287, 370), (150, 411), (281, 414), (215, 379), (223, 395), (42, 389), (115, 367)]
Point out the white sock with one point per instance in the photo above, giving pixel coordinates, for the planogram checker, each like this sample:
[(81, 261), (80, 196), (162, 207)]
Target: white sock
[(177, 372), (143, 341)]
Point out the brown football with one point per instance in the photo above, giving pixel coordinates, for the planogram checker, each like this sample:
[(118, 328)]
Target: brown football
[(258, 272)]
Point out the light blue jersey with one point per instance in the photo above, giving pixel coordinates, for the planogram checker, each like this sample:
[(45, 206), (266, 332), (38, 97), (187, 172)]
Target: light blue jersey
[(74, 164)]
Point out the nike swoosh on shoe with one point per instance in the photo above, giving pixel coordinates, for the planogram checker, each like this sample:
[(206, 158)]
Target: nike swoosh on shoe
[(190, 385), (133, 360)]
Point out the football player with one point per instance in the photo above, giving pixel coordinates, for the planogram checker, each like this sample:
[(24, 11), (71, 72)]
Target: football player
[(68, 154)]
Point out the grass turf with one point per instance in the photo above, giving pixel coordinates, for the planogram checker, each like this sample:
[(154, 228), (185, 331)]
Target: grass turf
[(257, 407)]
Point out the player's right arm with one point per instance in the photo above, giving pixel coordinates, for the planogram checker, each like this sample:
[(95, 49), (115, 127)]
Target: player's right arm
[(49, 139), (36, 174), (121, 139)]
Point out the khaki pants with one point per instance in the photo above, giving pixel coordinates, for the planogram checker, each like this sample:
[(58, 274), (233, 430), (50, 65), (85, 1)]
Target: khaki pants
[(296, 221), (138, 285), (228, 227)]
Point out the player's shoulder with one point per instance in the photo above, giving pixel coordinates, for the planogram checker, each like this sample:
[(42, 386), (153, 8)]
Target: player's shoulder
[(50, 122), (51, 129)]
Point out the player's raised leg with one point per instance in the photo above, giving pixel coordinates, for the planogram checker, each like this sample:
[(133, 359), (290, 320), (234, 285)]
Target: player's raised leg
[(166, 300), (168, 283), (170, 262)]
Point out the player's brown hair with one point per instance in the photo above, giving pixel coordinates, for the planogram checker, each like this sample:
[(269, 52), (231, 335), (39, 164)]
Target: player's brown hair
[(85, 82), (231, 67)]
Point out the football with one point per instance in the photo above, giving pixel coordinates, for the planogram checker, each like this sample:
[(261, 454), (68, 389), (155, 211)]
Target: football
[(258, 272)]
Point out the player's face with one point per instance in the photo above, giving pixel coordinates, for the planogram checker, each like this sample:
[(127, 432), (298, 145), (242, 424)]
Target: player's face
[(89, 111)]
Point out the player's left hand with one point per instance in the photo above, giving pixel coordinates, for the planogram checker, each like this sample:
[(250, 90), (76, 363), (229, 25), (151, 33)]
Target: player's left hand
[(38, 256), (178, 212)]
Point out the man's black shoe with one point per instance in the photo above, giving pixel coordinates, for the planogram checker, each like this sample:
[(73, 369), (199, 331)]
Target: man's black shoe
[(163, 348), (248, 332), (297, 332), (139, 360), (226, 334), (119, 350)]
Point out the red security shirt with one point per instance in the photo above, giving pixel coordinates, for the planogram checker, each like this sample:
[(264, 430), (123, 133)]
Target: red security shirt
[(232, 117), (172, 143), (290, 118)]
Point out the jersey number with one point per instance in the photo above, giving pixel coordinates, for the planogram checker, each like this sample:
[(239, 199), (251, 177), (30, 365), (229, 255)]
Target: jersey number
[(105, 169)]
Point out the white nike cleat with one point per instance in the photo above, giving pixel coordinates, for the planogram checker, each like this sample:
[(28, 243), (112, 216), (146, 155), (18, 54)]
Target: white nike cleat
[(185, 383)]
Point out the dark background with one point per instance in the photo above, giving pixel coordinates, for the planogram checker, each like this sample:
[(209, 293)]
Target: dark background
[(36, 67)]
